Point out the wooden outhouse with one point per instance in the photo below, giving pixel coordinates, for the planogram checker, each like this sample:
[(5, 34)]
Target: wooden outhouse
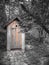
[(15, 35)]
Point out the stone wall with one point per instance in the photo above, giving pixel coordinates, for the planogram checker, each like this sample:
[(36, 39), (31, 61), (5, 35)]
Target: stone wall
[(3, 41)]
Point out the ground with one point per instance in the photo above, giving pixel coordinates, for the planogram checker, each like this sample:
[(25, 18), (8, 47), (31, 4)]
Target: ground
[(18, 57)]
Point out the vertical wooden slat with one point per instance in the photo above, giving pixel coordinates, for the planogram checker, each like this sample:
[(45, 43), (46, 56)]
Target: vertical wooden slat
[(16, 38), (20, 40), (8, 38), (23, 41), (13, 38)]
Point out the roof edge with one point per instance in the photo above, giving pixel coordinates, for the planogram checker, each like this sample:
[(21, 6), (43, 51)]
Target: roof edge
[(17, 18)]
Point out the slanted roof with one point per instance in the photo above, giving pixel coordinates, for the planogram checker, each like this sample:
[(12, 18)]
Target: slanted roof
[(17, 18)]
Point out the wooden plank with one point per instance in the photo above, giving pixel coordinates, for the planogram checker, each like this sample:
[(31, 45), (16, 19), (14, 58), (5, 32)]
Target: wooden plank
[(13, 44), (23, 41), (20, 40), (8, 38), (17, 38)]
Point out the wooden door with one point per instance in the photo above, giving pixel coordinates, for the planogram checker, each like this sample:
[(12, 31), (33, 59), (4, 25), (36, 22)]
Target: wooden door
[(16, 39)]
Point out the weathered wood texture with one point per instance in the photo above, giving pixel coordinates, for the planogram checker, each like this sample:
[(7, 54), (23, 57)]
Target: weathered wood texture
[(15, 38), (23, 41), (8, 37)]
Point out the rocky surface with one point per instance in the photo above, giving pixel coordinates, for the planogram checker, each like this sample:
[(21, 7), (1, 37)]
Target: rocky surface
[(37, 40), (33, 55), (16, 57)]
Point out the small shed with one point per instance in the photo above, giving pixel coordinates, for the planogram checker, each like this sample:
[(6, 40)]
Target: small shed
[(15, 35)]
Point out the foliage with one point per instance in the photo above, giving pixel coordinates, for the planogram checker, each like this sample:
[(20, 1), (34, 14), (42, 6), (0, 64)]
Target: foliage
[(39, 10)]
